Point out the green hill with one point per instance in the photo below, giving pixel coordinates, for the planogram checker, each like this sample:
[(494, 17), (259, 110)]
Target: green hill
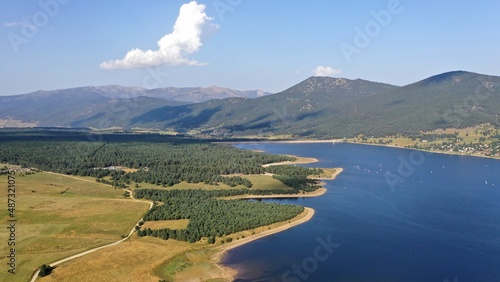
[(318, 107), (325, 107)]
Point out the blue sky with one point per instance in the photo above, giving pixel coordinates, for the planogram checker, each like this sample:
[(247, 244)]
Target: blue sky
[(240, 44)]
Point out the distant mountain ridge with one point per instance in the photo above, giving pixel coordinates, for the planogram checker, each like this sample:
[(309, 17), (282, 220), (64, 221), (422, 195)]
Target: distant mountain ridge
[(184, 94), (320, 107), (102, 106)]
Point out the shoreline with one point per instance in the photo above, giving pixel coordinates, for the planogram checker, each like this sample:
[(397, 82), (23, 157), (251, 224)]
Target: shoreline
[(286, 141), (299, 160), (370, 144), (230, 273), (426, 151), (338, 170), (316, 193), (221, 251)]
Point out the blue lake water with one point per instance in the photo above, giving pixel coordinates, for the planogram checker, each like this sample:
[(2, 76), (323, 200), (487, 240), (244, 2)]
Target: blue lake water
[(392, 215)]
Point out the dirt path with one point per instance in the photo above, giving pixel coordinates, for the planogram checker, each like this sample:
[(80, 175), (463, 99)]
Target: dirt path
[(35, 275)]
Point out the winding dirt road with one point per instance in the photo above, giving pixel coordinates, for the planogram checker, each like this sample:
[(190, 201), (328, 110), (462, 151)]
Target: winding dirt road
[(35, 275)]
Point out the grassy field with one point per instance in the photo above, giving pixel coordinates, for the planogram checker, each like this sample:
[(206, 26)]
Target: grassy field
[(133, 260), (172, 224), (150, 259), (62, 215), (259, 181), (170, 260), (266, 182), (58, 216), (327, 173)]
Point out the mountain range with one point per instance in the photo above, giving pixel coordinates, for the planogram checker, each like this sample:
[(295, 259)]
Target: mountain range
[(319, 107), (110, 104)]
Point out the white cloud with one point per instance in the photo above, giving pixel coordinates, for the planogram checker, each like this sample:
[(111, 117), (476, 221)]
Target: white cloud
[(185, 39), (25, 24), (325, 71)]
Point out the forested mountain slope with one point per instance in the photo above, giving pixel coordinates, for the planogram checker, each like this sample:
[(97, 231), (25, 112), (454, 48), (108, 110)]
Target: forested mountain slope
[(318, 107)]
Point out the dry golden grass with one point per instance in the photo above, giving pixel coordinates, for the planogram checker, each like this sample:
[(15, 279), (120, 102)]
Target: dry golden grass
[(203, 263), (201, 268), (172, 224), (299, 160), (201, 185), (64, 215), (151, 259), (328, 173), (58, 216), (261, 181), (132, 260)]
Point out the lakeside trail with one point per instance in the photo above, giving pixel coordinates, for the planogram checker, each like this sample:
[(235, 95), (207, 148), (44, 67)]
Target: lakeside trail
[(35, 275), (230, 273)]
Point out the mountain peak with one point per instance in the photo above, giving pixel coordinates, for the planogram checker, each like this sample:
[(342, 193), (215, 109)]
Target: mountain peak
[(339, 80), (337, 86), (448, 77)]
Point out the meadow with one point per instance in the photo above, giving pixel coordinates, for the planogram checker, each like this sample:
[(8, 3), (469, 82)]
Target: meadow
[(58, 216)]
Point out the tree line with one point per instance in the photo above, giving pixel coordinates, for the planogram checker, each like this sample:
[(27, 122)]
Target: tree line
[(158, 160), (166, 161), (209, 217)]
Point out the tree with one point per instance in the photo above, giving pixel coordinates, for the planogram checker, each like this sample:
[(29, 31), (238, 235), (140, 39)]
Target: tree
[(45, 270), (211, 240)]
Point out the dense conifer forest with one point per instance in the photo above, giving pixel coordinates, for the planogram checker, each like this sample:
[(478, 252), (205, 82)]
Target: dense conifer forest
[(155, 159), (148, 159), (210, 217)]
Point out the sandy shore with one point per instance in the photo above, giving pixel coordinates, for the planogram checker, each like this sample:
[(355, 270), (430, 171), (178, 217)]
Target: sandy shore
[(221, 251), (338, 170), (311, 141), (308, 213), (286, 141), (316, 193), (299, 160)]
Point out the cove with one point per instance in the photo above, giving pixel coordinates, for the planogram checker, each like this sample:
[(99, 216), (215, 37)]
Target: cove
[(440, 221)]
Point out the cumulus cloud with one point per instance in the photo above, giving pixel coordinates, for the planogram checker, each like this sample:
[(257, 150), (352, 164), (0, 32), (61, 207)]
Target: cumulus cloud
[(325, 71), (185, 39)]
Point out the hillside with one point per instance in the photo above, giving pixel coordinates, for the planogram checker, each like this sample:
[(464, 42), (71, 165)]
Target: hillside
[(324, 107), (318, 107), (74, 108), (450, 100), (101, 106), (291, 111)]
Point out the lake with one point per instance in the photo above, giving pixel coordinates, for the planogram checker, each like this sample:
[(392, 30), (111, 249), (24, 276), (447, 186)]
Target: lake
[(391, 215)]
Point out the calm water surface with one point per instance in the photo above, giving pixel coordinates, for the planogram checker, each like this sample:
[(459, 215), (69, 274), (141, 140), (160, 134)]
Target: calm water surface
[(392, 215)]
